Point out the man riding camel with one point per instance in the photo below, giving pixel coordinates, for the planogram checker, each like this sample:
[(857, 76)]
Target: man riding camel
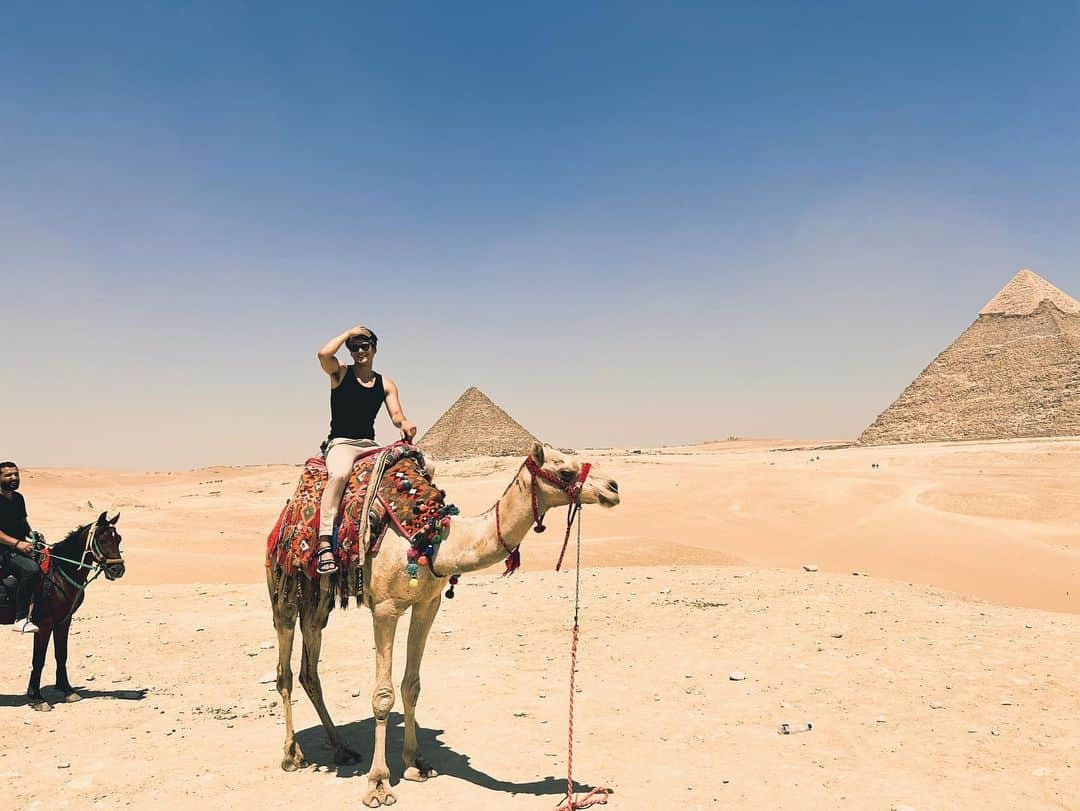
[(357, 392), (15, 550)]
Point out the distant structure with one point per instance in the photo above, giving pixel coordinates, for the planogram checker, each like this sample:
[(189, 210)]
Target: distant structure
[(1015, 372), (475, 426)]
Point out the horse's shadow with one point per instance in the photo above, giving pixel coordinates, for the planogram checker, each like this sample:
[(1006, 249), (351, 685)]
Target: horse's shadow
[(359, 736), (55, 697)]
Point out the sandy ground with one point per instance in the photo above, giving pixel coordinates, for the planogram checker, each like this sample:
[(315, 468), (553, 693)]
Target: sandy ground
[(919, 697)]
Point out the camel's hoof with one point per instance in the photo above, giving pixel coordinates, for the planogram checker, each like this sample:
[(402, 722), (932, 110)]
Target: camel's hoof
[(294, 758), (41, 705), (379, 794), (419, 773), (344, 756), (72, 697), (292, 764)]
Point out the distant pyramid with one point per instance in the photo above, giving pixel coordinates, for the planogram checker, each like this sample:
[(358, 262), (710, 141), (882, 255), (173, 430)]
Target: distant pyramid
[(475, 426), (1015, 372)]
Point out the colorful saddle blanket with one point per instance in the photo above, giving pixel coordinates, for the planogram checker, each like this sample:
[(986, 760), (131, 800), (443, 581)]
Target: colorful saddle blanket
[(404, 497)]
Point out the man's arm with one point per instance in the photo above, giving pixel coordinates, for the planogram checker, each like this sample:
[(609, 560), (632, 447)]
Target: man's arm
[(394, 409), (328, 354), (15, 543)]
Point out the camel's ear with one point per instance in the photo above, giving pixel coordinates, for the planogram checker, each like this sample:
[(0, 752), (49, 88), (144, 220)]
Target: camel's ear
[(537, 453), (114, 519), (101, 518)]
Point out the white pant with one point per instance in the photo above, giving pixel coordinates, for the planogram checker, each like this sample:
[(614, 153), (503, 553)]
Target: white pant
[(341, 454)]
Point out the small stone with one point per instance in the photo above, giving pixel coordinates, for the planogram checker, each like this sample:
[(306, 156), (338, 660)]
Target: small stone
[(64, 765), (266, 645), (837, 636), (810, 567), (972, 730), (520, 714), (994, 732), (267, 678), (737, 675), (881, 719), (90, 677)]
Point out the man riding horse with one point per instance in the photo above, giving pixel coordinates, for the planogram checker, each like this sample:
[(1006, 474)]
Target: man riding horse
[(15, 550), (357, 392)]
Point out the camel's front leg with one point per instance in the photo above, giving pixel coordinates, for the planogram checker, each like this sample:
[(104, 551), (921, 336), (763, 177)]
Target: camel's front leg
[(423, 616), (385, 616), (285, 611)]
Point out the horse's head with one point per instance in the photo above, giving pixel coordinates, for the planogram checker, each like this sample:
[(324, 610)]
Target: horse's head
[(557, 476), (105, 546)]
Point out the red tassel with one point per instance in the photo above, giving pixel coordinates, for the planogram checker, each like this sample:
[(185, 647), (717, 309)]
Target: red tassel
[(513, 562)]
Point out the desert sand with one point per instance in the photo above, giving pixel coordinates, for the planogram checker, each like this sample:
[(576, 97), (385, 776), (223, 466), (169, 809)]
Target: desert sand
[(942, 675)]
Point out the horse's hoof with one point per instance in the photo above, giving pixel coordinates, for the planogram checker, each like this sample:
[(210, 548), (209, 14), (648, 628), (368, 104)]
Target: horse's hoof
[(72, 697), (41, 706)]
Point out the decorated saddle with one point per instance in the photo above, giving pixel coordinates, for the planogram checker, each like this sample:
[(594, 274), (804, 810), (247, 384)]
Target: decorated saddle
[(388, 487)]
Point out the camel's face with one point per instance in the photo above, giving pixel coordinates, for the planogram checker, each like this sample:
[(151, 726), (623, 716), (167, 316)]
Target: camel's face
[(598, 489)]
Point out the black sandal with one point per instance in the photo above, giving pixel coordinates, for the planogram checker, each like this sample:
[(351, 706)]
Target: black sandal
[(326, 564)]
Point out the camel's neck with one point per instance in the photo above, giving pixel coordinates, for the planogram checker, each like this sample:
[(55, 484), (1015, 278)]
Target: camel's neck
[(474, 540)]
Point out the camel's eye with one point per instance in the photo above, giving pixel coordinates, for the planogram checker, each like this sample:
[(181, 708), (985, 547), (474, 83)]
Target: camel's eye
[(567, 475)]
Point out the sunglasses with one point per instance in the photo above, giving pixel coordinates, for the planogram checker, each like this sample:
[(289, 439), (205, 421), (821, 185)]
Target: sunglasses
[(359, 346)]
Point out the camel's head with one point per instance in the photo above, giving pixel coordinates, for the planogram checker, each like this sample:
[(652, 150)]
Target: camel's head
[(598, 488)]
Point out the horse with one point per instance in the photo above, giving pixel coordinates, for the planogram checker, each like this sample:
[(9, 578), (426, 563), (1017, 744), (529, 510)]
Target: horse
[(88, 551)]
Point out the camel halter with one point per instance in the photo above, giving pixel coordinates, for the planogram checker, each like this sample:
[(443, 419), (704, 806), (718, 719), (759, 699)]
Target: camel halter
[(572, 490)]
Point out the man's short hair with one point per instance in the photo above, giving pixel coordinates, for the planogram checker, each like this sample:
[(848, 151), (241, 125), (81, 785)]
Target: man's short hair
[(8, 464), (366, 333)]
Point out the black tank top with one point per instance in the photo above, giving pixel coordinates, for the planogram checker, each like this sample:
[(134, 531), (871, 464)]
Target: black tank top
[(353, 407)]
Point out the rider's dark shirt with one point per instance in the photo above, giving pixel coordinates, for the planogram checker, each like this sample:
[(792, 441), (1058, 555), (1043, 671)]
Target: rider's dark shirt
[(13, 517), (353, 407)]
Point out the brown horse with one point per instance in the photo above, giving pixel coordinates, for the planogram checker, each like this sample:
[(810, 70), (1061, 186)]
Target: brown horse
[(90, 550)]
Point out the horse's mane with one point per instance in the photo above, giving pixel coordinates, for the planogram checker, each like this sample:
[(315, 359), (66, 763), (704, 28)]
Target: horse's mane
[(71, 536)]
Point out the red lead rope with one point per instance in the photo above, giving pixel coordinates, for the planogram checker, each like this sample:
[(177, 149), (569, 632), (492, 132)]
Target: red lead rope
[(597, 795)]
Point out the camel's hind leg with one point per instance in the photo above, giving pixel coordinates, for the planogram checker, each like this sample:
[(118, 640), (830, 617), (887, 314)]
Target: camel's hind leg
[(423, 615), (285, 610), (313, 617)]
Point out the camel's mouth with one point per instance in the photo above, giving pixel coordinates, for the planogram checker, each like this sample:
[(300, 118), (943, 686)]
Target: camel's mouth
[(607, 494)]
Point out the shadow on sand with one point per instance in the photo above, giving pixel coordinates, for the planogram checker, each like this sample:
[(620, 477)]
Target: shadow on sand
[(359, 736), (55, 697)]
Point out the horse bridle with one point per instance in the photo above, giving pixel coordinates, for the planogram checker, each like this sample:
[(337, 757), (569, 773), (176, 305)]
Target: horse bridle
[(93, 549)]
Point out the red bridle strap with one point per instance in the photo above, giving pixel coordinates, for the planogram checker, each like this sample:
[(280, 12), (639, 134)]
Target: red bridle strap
[(573, 489), (513, 558)]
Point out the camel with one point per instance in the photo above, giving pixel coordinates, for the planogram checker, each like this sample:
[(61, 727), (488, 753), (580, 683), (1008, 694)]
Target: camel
[(473, 543)]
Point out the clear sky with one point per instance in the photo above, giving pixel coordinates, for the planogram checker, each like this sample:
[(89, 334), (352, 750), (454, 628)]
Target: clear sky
[(628, 223)]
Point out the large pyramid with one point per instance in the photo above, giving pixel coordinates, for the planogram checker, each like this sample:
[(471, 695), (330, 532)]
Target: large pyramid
[(1015, 372), (475, 426)]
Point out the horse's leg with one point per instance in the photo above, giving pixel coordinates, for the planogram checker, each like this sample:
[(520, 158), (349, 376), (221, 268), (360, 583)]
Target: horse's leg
[(285, 609), (423, 615), (312, 622), (385, 618), (41, 646), (60, 651)]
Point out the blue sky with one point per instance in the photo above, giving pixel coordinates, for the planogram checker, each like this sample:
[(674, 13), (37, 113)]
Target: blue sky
[(630, 225)]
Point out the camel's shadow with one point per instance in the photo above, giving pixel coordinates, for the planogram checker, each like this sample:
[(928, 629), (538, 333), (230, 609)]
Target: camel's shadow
[(359, 736), (55, 697)]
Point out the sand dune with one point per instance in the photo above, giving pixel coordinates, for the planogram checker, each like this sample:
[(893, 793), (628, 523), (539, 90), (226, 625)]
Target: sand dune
[(944, 679)]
